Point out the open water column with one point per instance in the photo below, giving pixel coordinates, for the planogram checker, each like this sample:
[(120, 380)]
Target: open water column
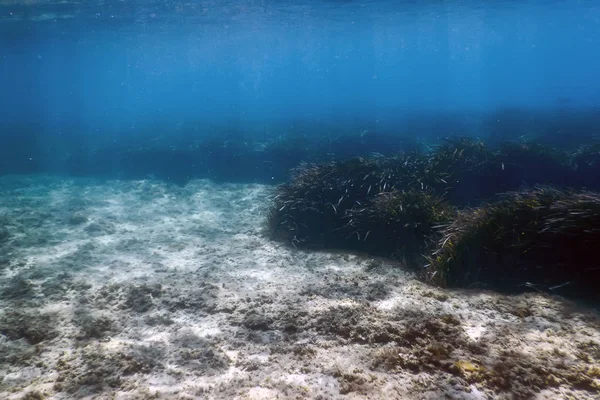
[(313, 199)]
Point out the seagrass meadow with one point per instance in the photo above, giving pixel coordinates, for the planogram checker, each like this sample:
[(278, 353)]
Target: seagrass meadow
[(518, 216)]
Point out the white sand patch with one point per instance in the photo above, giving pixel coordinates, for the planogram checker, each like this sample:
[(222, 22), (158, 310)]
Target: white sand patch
[(140, 290)]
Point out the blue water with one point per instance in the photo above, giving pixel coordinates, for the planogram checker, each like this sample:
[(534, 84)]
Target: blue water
[(163, 69)]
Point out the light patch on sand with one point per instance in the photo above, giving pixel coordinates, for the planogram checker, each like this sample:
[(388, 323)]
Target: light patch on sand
[(475, 332)]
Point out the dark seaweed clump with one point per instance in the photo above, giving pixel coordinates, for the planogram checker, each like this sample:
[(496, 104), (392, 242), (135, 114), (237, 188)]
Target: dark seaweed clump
[(544, 236), (446, 208), (398, 221), (335, 204)]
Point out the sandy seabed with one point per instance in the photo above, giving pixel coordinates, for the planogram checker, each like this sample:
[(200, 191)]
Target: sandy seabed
[(141, 290)]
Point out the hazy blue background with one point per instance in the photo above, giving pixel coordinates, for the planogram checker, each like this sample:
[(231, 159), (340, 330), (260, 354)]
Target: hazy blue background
[(119, 66)]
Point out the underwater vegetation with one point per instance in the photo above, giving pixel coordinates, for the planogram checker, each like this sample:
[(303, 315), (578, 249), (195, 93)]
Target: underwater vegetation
[(411, 217), (585, 160), (333, 203), (494, 217), (543, 237)]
